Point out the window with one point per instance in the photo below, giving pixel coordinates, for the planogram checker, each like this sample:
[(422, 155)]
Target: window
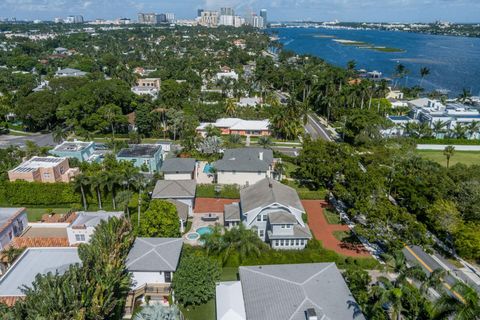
[(46, 174), (259, 217), (62, 170), (264, 217), (80, 237), (297, 242), (281, 242), (277, 242), (302, 242), (261, 233)]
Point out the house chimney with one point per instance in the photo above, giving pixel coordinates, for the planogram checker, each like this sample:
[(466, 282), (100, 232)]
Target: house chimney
[(311, 314), (260, 155)]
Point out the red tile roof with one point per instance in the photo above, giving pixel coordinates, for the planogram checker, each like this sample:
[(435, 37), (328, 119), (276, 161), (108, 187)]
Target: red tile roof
[(13, 217), (22, 242), (9, 301)]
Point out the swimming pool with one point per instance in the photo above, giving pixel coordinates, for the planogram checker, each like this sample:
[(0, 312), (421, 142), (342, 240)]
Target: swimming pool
[(207, 168), (204, 230), (193, 236)]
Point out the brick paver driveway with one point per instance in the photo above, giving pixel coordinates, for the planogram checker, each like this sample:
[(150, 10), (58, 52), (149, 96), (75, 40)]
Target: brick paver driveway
[(324, 231)]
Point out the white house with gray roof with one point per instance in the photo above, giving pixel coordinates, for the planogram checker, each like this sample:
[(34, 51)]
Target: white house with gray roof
[(12, 223), (244, 166), (290, 292), (69, 72), (179, 190), (153, 260), (83, 227), (35, 261), (179, 169), (274, 211)]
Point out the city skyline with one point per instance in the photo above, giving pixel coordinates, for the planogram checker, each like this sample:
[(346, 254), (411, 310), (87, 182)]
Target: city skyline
[(278, 10)]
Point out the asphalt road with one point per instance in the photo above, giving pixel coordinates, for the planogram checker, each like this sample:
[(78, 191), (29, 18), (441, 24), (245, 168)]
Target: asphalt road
[(417, 256), (316, 129), (41, 140)]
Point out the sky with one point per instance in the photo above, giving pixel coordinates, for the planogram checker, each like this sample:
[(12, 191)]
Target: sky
[(278, 10)]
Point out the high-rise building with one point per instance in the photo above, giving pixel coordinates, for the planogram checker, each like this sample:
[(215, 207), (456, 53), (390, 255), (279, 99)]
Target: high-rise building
[(147, 18), (227, 12), (199, 12), (58, 20), (225, 20), (161, 18), (170, 17), (69, 19), (263, 14), (209, 18), (255, 21)]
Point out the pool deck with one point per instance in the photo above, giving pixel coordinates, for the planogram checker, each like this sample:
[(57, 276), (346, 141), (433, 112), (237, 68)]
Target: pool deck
[(202, 177), (197, 222)]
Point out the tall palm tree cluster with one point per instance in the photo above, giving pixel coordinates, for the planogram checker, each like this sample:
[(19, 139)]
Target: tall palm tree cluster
[(409, 295), (117, 179), (440, 129)]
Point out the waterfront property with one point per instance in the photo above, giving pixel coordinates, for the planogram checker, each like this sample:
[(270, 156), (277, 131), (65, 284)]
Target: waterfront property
[(12, 223), (147, 157), (179, 190), (237, 126), (152, 263), (274, 211), (83, 227), (44, 169), (244, 166), (287, 292), (179, 169), (31, 262)]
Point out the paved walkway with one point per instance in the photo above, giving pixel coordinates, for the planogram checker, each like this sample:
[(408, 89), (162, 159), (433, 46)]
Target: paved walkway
[(324, 231)]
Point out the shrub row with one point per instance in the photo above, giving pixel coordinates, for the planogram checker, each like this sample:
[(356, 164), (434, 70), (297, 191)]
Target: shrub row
[(448, 141)]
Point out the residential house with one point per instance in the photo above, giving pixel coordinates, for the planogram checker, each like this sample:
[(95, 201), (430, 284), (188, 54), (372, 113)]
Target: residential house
[(44, 169), (179, 190), (179, 169), (69, 72), (395, 94), (274, 211), (313, 291), (398, 128), (244, 166), (249, 102), (60, 50), (83, 227), (226, 75), (31, 262), (12, 223), (149, 86), (83, 151), (147, 157), (152, 263), (237, 126)]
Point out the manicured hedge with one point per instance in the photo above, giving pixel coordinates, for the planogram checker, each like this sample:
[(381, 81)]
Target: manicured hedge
[(448, 141), (39, 194)]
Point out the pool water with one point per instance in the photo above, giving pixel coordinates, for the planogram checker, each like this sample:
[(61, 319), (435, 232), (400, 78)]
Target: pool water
[(193, 236), (207, 168), (204, 230)]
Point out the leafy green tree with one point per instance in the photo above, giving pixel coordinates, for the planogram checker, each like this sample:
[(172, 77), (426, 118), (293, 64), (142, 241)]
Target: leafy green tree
[(467, 241), (158, 312), (265, 142), (38, 110), (465, 308), (443, 216), (195, 278), (160, 220)]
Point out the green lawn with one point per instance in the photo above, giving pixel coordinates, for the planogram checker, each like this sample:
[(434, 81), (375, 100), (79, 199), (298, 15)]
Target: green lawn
[(35, 214), (331, 216), (465, 157), (341, 235), (306, 194), (229, 274), (203, 312)]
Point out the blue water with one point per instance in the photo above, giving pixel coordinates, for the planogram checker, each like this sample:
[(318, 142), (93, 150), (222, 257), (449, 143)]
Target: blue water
[(204, 230), (207, 168), (453, 61)]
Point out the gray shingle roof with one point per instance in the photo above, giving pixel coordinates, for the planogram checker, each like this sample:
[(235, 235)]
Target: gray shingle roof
[(299, 232), (278, 292), (178, 165), (232, 212), (182, 209), (266, 192), (154, 254), (165, 189), (281, 217), (245, 160), (92, 219)]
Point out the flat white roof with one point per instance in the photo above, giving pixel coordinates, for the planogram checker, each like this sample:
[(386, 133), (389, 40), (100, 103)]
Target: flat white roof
[(237, 124), (230, 304), (39, 162), (36, 261)]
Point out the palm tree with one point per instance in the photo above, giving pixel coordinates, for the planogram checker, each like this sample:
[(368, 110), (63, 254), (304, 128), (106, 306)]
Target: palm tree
[(111, 180), (234, 140), (473, 129), (465, 96), (81, 182), (351, 65), (464, 306), (438, 127), (96, 184), (265, 142), (140, 183), (123, 199), (389, 295), (59, 134), (448, 152), (231, 107), (460, 131), (434, 281), (423, 73)]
